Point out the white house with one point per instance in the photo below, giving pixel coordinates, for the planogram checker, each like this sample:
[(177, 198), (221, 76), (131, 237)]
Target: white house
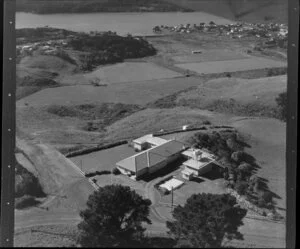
[(152, 159), (198, 162), (147, 141)]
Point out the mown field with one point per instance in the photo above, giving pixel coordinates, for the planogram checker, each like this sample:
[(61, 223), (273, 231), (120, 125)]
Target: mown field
[(132, 72), (210, 55), (209, 67)]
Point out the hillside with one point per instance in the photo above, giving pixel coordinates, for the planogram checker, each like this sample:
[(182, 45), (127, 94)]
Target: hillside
[(86, 6), (249, 10), (242, 97)]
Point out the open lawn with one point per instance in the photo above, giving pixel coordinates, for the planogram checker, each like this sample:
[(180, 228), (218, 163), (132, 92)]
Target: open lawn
[(104, 159), (209, 55), (231, 65)]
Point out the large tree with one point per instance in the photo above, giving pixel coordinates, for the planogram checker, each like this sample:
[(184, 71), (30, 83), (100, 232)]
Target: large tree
[(113, 217), (206, 220)]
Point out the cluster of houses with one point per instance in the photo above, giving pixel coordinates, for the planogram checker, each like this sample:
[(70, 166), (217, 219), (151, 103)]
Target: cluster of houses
[(156, 153), (48, 47), (273, 31)]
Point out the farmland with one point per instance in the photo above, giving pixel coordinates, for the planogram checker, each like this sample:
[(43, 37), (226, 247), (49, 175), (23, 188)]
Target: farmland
[(230, 65), (131, 72), (139, 93)]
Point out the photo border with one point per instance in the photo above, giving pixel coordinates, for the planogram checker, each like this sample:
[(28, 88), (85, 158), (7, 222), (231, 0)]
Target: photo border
[(292, 121), (8, 39), (8, 9)]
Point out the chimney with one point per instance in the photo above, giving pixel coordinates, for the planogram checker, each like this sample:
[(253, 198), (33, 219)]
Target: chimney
[(148, 159)]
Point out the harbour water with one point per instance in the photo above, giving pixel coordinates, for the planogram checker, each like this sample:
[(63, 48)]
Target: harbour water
[(122, 23)]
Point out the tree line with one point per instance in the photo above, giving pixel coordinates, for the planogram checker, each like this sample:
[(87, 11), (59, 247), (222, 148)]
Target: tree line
[(115, 217), (109, 48)]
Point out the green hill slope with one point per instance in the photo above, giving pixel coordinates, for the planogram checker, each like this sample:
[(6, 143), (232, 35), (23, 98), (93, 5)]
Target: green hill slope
[(243, 10), (85, 6)]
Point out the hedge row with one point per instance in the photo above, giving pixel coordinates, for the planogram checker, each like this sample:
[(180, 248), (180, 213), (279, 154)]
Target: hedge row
[(162, 133), (96, 148)]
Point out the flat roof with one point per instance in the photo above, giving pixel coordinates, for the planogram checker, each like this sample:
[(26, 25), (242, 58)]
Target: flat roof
[(156, 140), (142, 139), (190, 153), (156, 155), (196, 164), (150, 139), (172, 183)]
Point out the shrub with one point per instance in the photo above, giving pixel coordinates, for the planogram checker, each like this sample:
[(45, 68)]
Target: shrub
[(90, 174), (245, 167), (65, 56), (25, 201), (228, 75), (261, 203), (267, 196), (103, 172), (90, 126), (276, 71), (241, 156), (226, 175), (164, 191), (241, 187), (281, 101), (116, 171), (206, 122), (27, 184)]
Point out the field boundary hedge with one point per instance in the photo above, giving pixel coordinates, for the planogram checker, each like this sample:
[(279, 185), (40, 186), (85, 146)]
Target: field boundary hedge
[(98, 147), (203, 127)]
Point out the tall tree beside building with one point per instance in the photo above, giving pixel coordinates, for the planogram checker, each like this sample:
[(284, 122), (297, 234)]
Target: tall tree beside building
[(113, 218), (206, 220)]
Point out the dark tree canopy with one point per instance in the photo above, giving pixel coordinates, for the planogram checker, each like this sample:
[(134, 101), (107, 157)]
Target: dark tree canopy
[(113, 217), (206, 220)]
